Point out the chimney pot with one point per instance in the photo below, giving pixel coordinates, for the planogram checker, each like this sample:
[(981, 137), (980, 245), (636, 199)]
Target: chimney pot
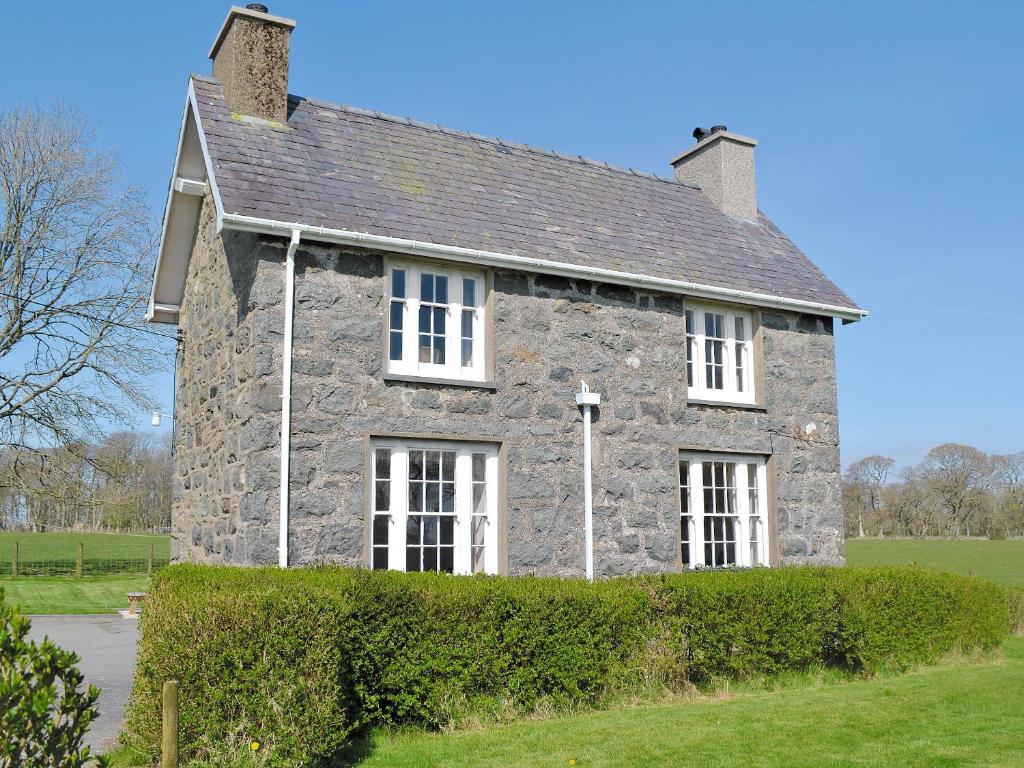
[(702, 133), (250, 58), (722, 165)]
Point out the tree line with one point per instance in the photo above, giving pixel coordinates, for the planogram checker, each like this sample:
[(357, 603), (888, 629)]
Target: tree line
[(957, 490), (121, 482)]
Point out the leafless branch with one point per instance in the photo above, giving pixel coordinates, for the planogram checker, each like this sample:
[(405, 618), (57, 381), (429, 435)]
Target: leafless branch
[(74, 253)]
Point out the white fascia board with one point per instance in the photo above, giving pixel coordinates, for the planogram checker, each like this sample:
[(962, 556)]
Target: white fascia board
[(525, 263), (162, 313), (151, 310)]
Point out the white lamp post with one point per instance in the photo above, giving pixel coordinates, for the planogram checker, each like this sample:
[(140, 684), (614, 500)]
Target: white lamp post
[(586, 399)]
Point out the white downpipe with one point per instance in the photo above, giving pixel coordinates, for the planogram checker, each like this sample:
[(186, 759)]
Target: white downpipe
[(585, 399), (286, 394)]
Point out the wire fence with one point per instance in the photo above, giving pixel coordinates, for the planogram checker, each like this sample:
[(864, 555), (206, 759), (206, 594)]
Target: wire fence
[(17, 563)]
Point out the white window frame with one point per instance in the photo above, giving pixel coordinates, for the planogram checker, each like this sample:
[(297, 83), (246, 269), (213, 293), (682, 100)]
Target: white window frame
[(750, 506), (737, 354), (397, 512), (452, 368)]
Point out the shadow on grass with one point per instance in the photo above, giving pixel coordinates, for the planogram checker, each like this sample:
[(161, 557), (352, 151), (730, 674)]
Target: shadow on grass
[(360, 749)]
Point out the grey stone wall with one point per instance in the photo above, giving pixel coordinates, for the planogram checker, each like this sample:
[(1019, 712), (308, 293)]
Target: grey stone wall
[(225, 414), (549, 333)]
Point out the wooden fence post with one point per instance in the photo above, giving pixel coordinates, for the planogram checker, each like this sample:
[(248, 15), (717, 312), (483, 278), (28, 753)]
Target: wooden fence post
[(80, 561), (14, 560), (149, 560), (169, 742)]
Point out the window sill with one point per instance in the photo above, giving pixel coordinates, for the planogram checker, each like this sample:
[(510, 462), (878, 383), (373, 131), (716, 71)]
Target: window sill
[(405, 378), (727, 404)]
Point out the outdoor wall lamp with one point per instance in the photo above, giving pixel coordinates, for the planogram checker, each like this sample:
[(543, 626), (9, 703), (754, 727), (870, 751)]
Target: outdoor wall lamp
[(155, 421)]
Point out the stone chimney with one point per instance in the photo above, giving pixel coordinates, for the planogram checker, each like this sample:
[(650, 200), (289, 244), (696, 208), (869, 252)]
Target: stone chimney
[(722, 165), (250, 58)]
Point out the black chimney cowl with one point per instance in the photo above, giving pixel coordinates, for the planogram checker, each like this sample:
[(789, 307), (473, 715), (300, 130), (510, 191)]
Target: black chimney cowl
[(702, 133), (258, 7)]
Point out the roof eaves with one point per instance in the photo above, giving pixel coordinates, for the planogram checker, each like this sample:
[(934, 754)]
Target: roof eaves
[(437, 249)]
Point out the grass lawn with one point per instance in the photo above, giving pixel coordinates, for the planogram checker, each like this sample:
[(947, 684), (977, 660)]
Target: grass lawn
[(59, 594), (62, 546), (955, 715), (65, 594), (1001, 561)]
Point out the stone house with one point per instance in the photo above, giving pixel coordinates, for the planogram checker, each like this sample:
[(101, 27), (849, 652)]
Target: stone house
[(384, 326)]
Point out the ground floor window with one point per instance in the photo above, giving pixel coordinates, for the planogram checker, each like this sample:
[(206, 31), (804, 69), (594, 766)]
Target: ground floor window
[(433, 507), (723, 509)]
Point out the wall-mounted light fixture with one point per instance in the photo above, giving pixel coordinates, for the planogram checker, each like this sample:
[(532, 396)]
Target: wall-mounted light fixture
[(155, 421)]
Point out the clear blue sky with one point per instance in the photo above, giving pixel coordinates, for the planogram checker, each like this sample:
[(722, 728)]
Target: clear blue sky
[(890, 143)]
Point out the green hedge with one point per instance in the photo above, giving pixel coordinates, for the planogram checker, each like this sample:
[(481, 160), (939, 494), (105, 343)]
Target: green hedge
[(300, 660)]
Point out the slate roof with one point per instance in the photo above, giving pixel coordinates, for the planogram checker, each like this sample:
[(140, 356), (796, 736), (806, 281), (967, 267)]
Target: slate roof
[(346, 168)]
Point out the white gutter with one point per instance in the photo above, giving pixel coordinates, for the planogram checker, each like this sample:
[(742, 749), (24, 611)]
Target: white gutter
[(286, 394), (586, 399), (493, 259)]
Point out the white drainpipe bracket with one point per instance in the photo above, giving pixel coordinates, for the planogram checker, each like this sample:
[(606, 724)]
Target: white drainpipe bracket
[(587, 398)]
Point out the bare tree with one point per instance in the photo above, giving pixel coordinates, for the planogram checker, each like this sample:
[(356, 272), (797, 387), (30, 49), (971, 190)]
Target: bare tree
[(1008, 471), (956, 490), (867, 478), (73, 273), (121, 483), (1008, 474), (958, 475)]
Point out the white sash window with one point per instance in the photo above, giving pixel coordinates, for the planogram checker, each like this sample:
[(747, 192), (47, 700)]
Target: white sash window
[(719, 354), (434, 507), (435, 321), (723, 508)]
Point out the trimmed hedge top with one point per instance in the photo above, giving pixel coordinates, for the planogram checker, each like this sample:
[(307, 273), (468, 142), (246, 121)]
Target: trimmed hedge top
[(299, 660)]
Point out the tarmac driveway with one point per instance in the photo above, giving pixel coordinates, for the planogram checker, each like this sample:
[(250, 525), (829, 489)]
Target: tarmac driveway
[(106, 645)]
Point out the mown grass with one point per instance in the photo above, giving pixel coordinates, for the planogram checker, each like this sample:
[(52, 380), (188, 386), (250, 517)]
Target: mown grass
[(959, 714), (999, 561), (62, 594), (967, 712), (62, 546), (54, 594)]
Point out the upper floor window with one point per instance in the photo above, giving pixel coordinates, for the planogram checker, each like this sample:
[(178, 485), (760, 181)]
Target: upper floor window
[(723, 509), (435, 322), (434, 507), (719, 354)]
